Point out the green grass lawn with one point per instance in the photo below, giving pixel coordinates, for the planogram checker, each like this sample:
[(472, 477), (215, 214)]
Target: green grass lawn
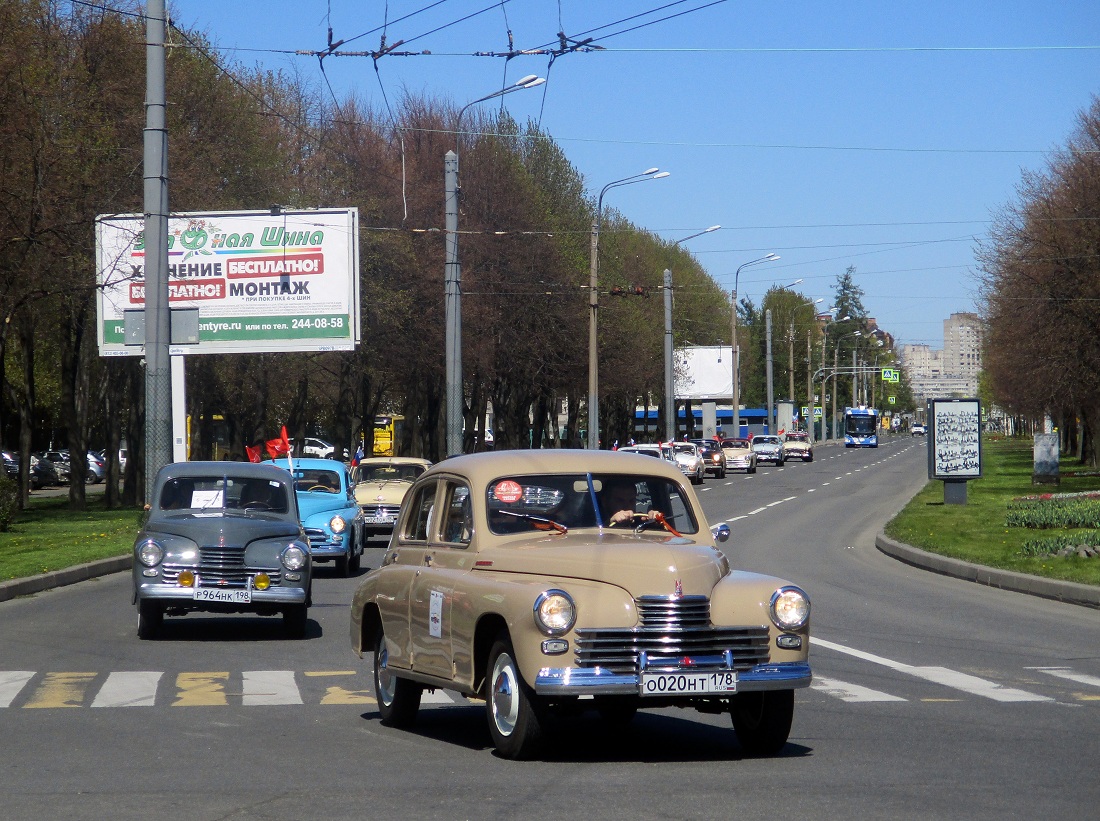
[(48, 536), (976, 532)]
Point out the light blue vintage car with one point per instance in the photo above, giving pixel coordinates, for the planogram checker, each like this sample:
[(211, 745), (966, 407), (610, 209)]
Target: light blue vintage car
[(330, 515)]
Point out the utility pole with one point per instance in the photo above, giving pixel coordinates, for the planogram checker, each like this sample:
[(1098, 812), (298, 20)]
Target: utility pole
[(809, 391), (770, 371), (453, 309), (670, 388)]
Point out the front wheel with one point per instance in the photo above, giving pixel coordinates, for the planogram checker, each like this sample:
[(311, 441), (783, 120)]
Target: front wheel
[(398, 698), (762, 720), (150, 619), (294, 621), (513, 709)]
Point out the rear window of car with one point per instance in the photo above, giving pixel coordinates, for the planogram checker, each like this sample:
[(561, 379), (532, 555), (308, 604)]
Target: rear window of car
[(531, 503)]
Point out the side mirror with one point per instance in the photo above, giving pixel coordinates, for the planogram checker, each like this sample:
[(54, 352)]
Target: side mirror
[(721, 533)]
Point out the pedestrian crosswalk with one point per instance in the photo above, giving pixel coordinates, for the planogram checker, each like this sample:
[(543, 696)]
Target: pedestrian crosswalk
[(903, 683)]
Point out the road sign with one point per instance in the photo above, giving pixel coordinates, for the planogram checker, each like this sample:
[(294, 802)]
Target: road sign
[(817, 411), (890, 375), (892, 399)]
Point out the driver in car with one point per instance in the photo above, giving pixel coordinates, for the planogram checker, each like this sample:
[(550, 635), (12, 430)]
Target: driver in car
[(618, 501)]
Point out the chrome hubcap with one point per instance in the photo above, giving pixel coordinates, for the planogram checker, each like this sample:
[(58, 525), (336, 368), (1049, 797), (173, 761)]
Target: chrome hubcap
[(382, 677), (505, 695)]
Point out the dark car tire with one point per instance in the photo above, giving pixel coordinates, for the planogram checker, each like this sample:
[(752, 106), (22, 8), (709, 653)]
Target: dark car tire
[(762, 720), (150, 619), (515, 713), (354, 563), (294, 621), (343, 566), (398, 698), (750, 470)]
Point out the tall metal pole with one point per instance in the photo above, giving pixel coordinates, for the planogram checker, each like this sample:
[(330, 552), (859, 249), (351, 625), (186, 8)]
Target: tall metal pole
[(736, 392), (855, 382), (670, 387), (809, 391), (452, 283), (158, 366), (836, 367), (593, 350), (771, 397)]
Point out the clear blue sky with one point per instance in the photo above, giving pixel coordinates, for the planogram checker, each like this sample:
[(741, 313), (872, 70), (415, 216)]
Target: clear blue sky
[(878, 135)]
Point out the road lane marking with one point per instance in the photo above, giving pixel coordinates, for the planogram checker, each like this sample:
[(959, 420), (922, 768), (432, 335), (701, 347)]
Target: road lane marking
[(941, 675), (200, 690), (133, 688), (846, 691), (1069, 675), (61, 690), (11, 682), (758, 510), (736, 518), (270, 687)]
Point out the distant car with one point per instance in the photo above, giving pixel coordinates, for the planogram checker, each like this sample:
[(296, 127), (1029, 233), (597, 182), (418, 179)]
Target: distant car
[(381, 483), (11, 464), (768, 448), (690, 461), (509, 580), (43, 472), (329, 513), (317, 448), (222, 537), (714, 458), (796, 445), (739, 455), (644, 450), (917, 430), (97, 469)]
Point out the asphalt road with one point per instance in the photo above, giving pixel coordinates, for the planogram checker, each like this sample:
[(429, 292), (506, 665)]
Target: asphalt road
[(933, 698)]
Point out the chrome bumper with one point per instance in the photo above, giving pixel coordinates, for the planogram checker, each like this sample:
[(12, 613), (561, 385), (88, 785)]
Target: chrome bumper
[(576, 681), (184, 596)]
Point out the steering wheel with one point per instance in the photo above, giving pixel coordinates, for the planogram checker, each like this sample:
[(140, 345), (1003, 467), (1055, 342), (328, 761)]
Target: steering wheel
[(321, 487), (256, 506), (631, 520)]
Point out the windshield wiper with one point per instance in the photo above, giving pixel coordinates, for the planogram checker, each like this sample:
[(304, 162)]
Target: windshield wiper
[(540, 522)]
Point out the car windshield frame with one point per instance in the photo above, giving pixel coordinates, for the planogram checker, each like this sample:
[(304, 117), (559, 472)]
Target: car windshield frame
[(525, 503)]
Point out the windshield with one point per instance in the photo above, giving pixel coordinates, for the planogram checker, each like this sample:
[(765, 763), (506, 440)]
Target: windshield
[(318, 481), (860, 425), (389, 473), (223, 492), (518, 504)]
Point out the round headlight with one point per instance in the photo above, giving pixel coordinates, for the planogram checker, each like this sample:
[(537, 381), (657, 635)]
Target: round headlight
[(149, 553), (293, 558), (555, 612), (790, 608), (337, 524)]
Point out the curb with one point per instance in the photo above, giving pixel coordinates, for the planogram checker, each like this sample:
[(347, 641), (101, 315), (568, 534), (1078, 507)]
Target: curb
[(59, 578), (1086, 595)]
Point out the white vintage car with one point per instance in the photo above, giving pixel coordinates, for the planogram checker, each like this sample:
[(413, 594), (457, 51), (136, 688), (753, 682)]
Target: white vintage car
[(381, 483), (531, 578)]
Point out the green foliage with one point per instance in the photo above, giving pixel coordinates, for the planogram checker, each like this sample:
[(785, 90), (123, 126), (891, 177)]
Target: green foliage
[(1044, 514), (1058, 544), (970, 532), (9, 501)]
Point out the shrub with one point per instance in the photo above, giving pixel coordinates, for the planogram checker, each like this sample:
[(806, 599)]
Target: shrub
[(1050, 513), (9, 501)]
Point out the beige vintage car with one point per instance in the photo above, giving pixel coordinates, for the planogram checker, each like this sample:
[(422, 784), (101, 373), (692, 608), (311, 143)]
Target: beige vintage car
[(380, 484), (529, 579), (796, 445)]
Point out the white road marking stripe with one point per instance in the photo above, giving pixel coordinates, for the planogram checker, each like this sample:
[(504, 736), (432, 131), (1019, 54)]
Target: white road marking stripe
[(776, 502), (758, 510), (442, 697), (270, 687), (941, 675), (1069, 675), (136, 688), (735, 518), (11, 682), (850, 692)]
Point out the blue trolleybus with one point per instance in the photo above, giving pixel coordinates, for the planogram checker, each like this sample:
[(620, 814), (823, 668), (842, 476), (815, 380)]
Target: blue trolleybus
[(860, 428)]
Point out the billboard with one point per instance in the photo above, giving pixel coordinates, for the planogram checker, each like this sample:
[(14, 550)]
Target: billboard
[(261, 281), (955, 439)]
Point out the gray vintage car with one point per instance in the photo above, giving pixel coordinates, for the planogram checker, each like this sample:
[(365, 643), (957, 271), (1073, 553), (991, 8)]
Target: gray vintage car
[(531, 579), (222, 537)]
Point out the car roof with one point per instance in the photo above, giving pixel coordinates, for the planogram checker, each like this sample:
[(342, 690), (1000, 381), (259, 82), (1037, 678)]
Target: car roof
[(483, 468), (243, 470)]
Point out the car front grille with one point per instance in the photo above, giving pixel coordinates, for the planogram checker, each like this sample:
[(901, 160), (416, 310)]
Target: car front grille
[(380, 510), (221, 567), (316, 536), (671, 628)]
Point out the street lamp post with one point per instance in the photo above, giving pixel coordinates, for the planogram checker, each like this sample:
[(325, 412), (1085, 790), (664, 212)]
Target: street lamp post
[(670, 386), (452, 276), (736, 389), (593, 303)]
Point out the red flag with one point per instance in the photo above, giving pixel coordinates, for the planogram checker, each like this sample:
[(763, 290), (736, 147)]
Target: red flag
[(275, 447), (254, 453), (286, 442)]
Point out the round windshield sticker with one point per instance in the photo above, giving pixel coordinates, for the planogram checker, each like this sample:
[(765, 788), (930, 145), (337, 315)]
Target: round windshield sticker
[(508, 491)]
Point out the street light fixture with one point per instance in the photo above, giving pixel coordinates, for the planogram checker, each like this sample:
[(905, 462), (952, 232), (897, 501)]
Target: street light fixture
[(670, 387), (593, 303), (736, 390), (452, 276)]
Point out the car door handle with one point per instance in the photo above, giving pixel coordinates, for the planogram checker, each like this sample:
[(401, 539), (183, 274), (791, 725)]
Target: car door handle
[(428, 560)]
